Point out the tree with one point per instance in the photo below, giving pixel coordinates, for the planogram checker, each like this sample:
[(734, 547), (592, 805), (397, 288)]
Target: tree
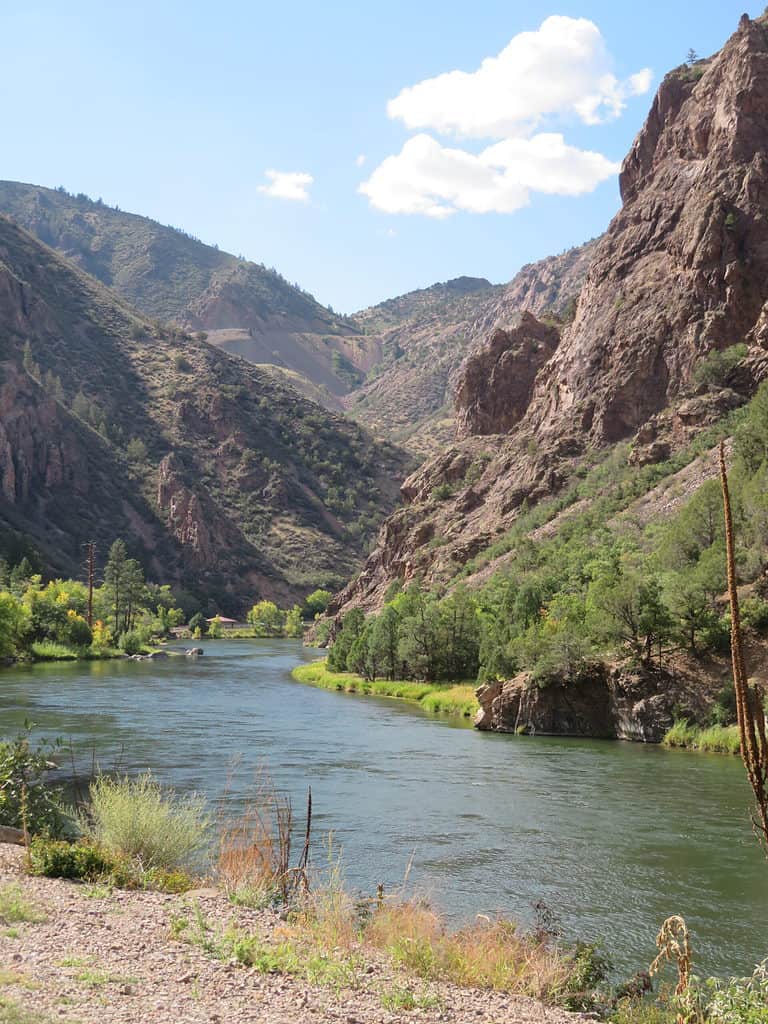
[(214, 627), (385, 640), (118, 575), (13, 623), (136, 451), (294, 624), (351, 628), (629, 609), (198, 625), (133, 590), (317, 602), (691, 57), (266, 618)]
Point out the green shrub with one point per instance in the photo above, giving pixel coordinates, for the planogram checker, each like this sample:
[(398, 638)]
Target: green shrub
[(59, 859), (24, 790), (49, 650), (131, 642), (713, 369), (138, 820), (754, 613), (739, 1000)]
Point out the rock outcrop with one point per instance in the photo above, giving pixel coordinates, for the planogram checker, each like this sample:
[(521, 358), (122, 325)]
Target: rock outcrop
[(681, 271), (495, 383), (606, 702)]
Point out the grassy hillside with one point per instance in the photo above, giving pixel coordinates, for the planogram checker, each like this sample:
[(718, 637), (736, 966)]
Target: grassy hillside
[(222, 476), (245, 307)]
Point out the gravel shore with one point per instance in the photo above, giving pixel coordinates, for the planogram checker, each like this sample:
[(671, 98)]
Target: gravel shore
[(110, 957)]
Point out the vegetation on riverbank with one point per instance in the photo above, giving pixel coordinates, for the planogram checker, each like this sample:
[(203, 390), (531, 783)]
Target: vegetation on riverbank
[(718, 739), (447, 698), (137, 836)]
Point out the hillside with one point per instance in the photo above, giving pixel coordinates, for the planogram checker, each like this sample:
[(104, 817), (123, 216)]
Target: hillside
[(681, 272), (425, 335), (243, 307), (220, 477)]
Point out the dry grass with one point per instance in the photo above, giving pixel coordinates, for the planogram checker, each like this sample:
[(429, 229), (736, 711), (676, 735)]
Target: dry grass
[(254, 858), (487, 954)]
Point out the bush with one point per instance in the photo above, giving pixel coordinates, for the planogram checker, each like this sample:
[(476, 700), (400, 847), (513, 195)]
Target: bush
[(24, 791), (131, 642), (136, 819), (59, 859), (713, 369)]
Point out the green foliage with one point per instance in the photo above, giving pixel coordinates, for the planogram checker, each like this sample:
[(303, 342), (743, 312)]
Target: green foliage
[(137, 820), (294, 623), (25, 793), (317, 602), (266, 619), (55, 858), (713, 369), (15, 907), (719, 739)]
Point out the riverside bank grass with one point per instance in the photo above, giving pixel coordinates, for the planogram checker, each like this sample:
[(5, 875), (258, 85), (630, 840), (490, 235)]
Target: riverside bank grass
[(716, 739), (445, 698)]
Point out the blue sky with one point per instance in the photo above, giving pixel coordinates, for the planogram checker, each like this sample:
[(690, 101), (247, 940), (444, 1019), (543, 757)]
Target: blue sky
[(179, 110)]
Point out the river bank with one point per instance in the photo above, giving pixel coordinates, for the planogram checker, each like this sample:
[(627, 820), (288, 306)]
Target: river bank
[(489, 822), (446, 698), (105, 956)]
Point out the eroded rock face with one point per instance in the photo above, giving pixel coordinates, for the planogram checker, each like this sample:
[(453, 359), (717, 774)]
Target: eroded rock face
[(681, 271), (683, 267), (496, 382), (183, 511), (604, 702)]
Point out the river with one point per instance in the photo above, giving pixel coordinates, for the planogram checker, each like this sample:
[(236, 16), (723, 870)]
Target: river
[(612, 836)]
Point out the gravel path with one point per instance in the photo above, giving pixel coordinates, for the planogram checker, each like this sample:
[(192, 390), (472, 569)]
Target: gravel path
[(102, 957)]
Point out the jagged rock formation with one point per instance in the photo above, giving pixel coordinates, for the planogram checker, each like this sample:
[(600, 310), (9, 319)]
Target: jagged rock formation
[(424, 336), (495, 383), (219, 477), (681, 270)]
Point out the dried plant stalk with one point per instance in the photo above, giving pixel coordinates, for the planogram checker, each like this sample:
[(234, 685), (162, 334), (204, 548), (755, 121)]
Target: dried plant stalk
[(749, 699)]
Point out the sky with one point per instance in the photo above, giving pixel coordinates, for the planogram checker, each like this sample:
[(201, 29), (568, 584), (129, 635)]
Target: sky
[(363, 149)]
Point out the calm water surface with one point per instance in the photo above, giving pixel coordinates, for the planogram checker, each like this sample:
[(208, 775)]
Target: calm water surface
[(613, 836)]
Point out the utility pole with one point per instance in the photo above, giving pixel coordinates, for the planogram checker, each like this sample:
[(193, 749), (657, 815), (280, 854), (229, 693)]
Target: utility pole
[(91, 560)]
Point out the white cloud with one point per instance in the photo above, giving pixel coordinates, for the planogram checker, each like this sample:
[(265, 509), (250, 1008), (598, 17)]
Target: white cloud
[(563, 68), (287, 185), (437, 181), (360, 160)]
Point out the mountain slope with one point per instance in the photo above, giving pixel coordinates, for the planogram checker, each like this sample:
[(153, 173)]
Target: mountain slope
[(244, 307), (221, 477), (682, 271), (424, 336)]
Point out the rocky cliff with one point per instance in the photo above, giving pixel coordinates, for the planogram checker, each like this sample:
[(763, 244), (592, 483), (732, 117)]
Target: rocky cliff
[(220, 477), (424, 336), (681, 271)]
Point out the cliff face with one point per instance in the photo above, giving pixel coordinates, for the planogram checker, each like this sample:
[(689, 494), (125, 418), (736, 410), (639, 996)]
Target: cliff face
[(495, 382), (682, 270), (217, 475), (683, 267), (424, 336)]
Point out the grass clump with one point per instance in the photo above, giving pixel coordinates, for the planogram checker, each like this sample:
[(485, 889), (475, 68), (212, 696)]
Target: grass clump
[(401, 997), (437, 698), (487, 954), (15, 908), (716, 739), (12, 1013), (49, 650), (136, 820)]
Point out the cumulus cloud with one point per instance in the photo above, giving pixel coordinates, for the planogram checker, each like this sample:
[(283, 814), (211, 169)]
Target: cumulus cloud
[(563, 68), (437, 181), (292, 185)]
